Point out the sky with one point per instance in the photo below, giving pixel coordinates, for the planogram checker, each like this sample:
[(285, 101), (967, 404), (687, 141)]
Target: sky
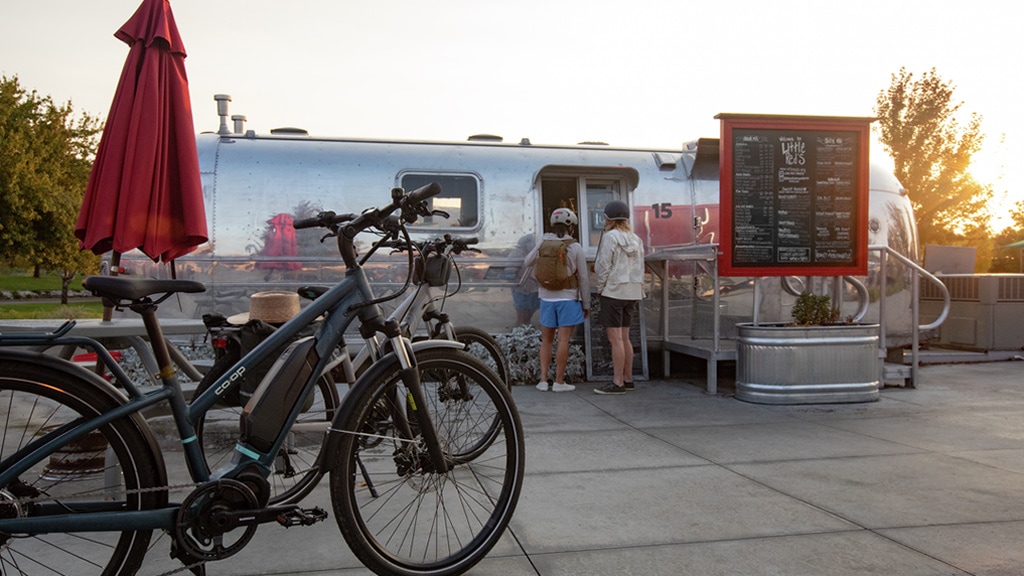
[(645, 73)]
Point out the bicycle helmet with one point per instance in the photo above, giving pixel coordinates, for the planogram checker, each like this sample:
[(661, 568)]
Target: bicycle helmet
[(564, 216), (616, 210)]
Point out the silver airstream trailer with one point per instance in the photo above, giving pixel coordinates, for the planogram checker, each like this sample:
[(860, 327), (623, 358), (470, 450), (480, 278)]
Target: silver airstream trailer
[(256, 185)]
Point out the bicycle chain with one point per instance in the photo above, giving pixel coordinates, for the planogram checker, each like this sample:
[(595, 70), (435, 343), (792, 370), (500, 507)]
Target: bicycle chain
[(43, 497), (100, 492)]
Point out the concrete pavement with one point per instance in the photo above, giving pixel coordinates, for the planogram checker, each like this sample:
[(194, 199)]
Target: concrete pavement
[(669, 480)]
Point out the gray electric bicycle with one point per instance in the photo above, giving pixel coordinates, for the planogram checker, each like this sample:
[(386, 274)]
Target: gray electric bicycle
[(420, 314), (84, 483)]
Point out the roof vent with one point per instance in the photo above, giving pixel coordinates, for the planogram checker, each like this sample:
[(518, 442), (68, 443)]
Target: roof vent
[(665, 161), (222, 111), (485, 138), (289, 131)]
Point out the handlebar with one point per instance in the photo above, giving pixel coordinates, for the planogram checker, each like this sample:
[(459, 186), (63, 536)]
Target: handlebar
[(447, 244), (422, 194), (412, 205), (346, 227), (323, 220)]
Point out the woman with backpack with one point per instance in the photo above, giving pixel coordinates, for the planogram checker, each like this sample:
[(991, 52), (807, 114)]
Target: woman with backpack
[(557, 262), (620, 282)]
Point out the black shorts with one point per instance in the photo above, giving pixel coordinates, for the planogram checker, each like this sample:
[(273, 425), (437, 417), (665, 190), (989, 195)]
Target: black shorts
[(617, 313)]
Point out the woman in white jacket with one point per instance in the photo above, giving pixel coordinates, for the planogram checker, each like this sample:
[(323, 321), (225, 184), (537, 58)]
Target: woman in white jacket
[(620, 278)]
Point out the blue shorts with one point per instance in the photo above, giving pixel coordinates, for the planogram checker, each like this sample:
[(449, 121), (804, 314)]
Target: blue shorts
[(559, 313)]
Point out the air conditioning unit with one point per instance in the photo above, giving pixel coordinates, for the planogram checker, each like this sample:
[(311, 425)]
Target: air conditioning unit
[(986, 310)]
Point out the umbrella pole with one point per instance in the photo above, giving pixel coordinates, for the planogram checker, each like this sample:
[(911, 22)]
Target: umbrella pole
[(174, 276), (115, 265)]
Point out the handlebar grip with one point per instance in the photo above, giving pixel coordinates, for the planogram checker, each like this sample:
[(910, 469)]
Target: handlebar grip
[(322, 219), (308, 222), (471, 241), (423, 192)]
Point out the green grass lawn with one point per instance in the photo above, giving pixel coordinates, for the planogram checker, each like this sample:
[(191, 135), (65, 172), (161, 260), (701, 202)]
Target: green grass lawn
[(14, 283), (29, 310)]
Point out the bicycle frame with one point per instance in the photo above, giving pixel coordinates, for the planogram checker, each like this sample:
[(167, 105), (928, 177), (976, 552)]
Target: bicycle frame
[(349, 299), (409, 314), (413, 311)]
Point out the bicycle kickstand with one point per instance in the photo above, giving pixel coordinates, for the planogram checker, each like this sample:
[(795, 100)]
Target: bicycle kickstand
[(366, 477)]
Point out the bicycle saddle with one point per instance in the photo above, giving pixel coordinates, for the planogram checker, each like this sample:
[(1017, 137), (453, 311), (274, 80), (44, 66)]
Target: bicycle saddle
[(118, 288)]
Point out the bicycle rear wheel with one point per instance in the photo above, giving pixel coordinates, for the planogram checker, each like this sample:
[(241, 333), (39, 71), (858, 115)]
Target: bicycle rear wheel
[(483, 346), (398, 516), (297, 466), (110, 468)]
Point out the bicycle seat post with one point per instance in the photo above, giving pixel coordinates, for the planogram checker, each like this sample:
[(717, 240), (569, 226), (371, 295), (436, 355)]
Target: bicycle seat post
[(147, 310)]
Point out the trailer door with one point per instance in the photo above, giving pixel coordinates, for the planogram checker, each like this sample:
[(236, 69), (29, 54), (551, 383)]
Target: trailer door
[(586, 195)]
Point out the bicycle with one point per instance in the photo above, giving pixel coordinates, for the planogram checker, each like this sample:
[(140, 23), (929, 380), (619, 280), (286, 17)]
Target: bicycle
[(83, 483), (297, 463), (433, 266)]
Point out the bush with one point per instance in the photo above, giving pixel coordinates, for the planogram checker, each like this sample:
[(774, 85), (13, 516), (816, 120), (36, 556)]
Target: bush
[(814, 310), (522, 351)]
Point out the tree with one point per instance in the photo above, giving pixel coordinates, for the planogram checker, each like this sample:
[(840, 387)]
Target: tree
[(919, 127), (46, 154), (1010, 259)]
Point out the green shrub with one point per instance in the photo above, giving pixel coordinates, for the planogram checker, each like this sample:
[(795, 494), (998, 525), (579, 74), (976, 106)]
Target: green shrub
[(815, 310)]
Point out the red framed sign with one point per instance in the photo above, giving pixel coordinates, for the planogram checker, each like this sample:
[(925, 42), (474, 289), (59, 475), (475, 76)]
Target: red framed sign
[(794, 195)]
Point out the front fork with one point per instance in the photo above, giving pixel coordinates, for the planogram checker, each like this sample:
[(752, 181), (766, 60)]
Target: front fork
[(410, 375)]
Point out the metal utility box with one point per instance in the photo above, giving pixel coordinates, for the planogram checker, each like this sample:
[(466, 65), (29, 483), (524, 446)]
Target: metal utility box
[(986, 310)]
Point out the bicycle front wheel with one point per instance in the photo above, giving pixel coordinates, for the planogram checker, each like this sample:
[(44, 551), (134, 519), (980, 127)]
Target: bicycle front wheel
[(113, 468), (398, 515)]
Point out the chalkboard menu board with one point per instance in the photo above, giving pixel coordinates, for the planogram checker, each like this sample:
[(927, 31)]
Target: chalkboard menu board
[(794, 194)]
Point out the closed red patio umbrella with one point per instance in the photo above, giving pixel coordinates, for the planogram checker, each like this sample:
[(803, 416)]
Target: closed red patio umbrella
[(144, 190)]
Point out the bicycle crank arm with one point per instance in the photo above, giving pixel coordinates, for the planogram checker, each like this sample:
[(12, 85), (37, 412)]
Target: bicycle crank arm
[(286, 516)]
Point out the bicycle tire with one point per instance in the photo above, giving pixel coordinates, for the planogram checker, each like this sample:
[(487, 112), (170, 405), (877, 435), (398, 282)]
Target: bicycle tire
[(35, 398), (485, 347), (381, 495), (297, 468), (491, 352)]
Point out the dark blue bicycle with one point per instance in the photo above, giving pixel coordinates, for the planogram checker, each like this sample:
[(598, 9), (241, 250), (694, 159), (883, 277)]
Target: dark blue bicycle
[(84, 483)]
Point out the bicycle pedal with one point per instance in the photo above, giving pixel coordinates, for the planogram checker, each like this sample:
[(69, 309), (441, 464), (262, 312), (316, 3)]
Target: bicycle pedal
[(301, 517)]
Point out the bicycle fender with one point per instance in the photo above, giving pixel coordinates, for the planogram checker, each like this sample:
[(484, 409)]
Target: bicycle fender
[(437, 343), (49, 361), (66, 366), (417, 345)]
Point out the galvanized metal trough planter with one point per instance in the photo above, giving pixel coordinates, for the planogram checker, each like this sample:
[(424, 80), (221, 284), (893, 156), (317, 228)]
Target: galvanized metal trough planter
[(785, 364)]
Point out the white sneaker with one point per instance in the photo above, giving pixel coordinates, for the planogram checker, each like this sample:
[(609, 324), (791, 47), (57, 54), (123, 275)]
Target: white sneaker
[(542, 386), (559, 387)]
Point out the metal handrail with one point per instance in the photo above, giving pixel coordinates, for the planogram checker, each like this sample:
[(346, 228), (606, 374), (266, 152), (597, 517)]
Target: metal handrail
[(708, 254), (918, 271), (946, 301)]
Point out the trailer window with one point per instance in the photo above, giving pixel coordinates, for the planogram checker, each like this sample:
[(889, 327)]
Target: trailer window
[(599, 194), (459, 197)]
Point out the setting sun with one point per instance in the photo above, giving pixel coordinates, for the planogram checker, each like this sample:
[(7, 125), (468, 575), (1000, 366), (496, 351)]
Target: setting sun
[(989, 168)]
